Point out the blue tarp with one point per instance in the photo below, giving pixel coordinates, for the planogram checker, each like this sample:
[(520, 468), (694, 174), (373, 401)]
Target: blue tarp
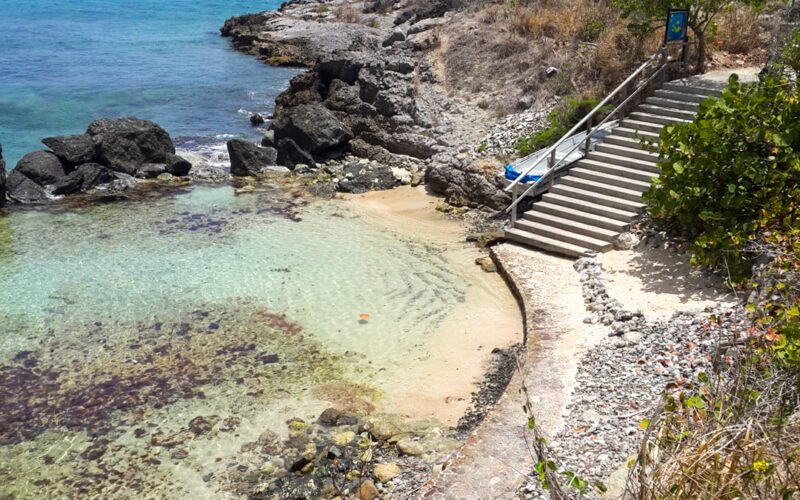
[(512, 174)]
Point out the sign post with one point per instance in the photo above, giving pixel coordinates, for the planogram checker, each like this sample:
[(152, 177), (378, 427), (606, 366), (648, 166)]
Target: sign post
[(677, 30)]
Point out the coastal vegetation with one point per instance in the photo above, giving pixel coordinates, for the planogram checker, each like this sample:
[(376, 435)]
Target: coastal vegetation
[(731, 188)]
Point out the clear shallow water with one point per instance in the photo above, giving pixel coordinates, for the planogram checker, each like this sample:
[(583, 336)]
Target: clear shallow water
[(125, 321), (64, 63)]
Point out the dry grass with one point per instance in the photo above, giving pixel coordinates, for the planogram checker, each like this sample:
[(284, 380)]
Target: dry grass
[(743, 442), (505, 48), (739, 30)]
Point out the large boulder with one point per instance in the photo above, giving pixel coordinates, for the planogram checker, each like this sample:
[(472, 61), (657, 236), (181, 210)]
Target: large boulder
[(83, 178), (464, 187), (2, 178), (73, 149), (23, 190), (42, 167), (314, 129), (247, 159), (178, 166), (124, 144)]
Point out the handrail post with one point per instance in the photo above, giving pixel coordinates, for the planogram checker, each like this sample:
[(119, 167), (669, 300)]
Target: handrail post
[(552, 160), (514, 204), (588, 135)]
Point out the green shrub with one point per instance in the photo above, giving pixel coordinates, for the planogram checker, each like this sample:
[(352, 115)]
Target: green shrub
[(731, 172), (569, 112), (592, 29)]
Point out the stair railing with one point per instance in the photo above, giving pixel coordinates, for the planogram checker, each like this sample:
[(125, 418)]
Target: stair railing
[(553, 166)]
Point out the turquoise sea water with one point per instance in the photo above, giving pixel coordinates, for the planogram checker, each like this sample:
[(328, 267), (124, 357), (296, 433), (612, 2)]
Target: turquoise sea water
[(120, 323), (64, 63)]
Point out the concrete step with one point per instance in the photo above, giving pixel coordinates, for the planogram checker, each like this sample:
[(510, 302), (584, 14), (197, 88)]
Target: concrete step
[(611, 169), (687, 88), (563, 235), (624, 161), (680, 96), (554, 209), (602, 187), (621, 140), (664, 111), (640, 127), (634, 134), (651, 118), (620, 214), (622, 181), (611, 201), (582, 228), (547, 244), (636, 151), (673, 103)]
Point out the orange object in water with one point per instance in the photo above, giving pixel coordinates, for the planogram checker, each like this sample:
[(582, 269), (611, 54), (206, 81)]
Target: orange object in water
[(364, 316)]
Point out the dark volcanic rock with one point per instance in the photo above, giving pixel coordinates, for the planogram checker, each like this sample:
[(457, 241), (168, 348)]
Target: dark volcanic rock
[(256, 120), (314, 129), (248, 159), (464, 187), (363, 177), (177, 165), (123, 144), (150, 170), (2, 178), (22, 189), (42, 167), (289, 153), (73, 149), (83, 178)]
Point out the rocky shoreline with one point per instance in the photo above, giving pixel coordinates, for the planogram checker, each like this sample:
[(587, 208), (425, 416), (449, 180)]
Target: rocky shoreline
[(375, 82)]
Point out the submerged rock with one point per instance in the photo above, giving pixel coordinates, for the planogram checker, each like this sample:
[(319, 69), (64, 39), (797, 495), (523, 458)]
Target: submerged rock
[(248, 159)]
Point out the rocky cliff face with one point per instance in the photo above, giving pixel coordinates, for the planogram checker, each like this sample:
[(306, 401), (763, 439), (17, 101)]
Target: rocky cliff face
[(372, 91)]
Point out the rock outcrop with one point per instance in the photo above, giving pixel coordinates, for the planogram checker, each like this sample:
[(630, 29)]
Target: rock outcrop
[(373, 90), (124, 144), (107, 156), (249, 160), (309, 132)]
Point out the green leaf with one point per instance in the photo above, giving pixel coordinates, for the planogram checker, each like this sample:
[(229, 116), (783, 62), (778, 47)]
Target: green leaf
[(644, 424)]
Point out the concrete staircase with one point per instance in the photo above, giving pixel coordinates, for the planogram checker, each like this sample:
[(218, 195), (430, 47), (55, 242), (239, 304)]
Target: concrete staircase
[(601, 195)]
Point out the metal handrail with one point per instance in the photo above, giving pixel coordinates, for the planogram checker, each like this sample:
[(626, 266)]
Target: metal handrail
[(551, 151)]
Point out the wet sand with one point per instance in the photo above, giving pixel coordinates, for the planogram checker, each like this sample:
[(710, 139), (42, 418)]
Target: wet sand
[(439, 383)]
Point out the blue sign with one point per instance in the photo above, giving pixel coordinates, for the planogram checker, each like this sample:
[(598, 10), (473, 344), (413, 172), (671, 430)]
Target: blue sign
[(677, 25)]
